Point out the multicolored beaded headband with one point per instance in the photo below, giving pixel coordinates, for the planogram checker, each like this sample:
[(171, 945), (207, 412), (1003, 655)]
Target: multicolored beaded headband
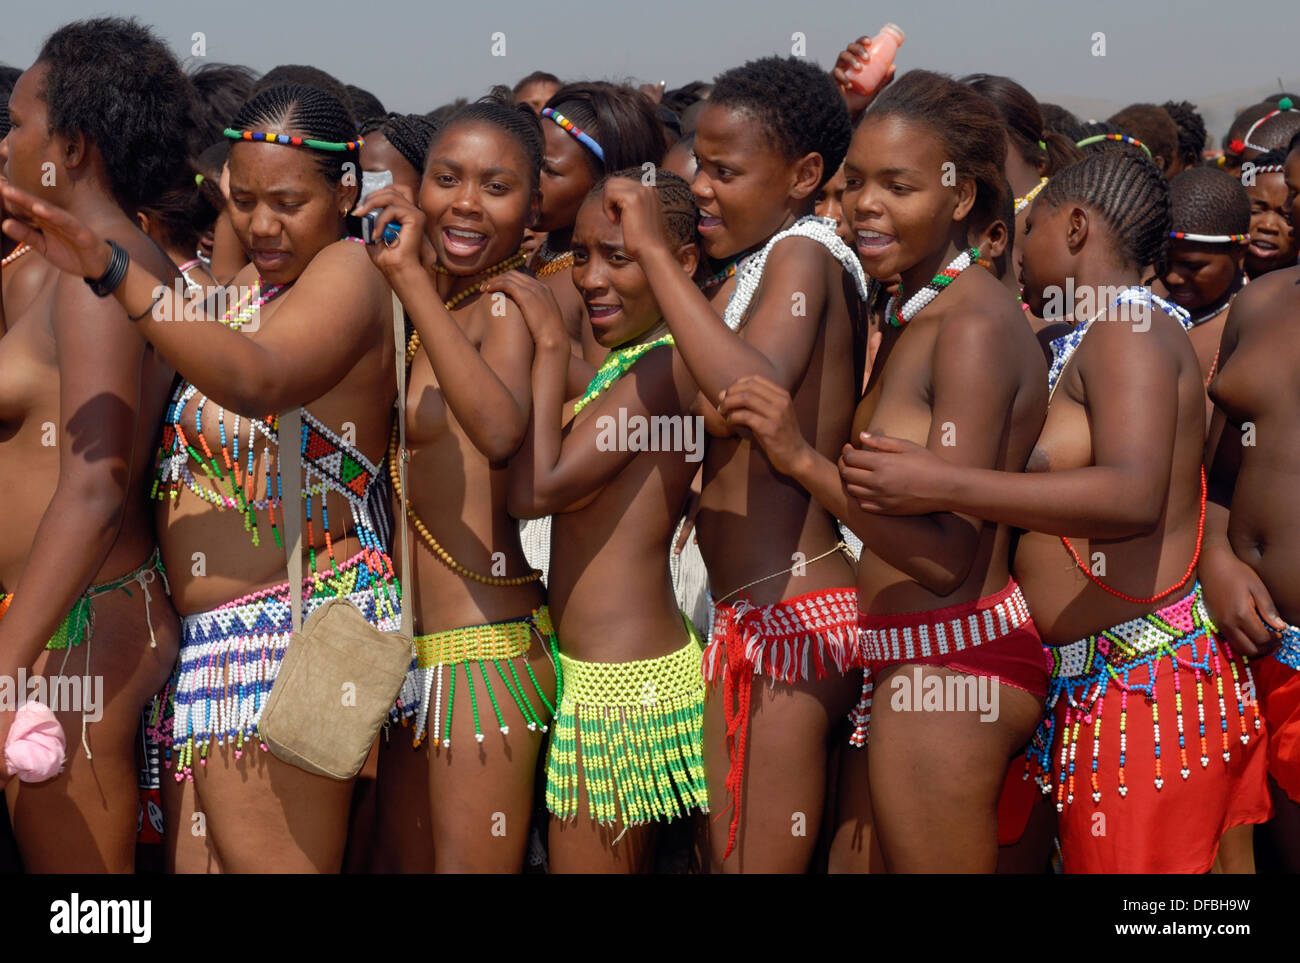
[(583, 137), (1209, 238), (331, 145), (1283, 106), (1122, 138), (1268, 169)]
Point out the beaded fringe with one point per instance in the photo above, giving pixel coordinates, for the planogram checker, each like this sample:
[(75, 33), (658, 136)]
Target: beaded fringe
[(1085, 671), (631, 734)]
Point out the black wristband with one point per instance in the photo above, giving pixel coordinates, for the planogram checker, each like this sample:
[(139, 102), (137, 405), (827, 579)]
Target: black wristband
[(108, 282)]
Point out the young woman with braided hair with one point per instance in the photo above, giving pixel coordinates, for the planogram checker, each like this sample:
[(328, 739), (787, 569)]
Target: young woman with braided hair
[(483, 687), (399, 144), (313, 327), (82, 593), (626, 749), (1114, 485)]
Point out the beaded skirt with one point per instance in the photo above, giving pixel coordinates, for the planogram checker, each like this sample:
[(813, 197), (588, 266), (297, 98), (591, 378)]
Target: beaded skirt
[(495, 645), (1131, 818), (630, 735), (230, 657)]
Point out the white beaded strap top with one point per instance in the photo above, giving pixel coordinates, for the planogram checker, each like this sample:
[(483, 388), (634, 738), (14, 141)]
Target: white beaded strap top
[(819, 229)]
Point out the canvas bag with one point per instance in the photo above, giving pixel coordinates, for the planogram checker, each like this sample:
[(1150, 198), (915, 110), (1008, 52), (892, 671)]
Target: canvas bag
[(340, 674)]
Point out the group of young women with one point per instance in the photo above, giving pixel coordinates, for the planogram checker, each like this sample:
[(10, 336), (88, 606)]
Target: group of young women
[(897, 375)]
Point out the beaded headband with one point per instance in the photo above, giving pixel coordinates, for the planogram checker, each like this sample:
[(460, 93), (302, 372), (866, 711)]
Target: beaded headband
[(1270, 169), (1283, 106), (1209, 238), (330, 145), (582, 136), (1122, 138)]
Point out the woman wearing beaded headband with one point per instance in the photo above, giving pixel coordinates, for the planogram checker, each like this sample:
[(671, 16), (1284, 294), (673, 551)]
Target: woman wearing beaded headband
[(1272, 239), (589, 129), (80, 398), (483, 688), (771, 134), (1114, 487), (313, 326), (981, 406), (616, 504)]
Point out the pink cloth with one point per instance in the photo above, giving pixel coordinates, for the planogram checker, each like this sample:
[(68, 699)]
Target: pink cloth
[(35, 748)]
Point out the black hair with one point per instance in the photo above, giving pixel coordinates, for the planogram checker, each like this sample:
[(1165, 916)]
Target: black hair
[(1206, 200), (1023, 119), (114, 82), (1153, 126), (681, 218), (965, 121), (305, 111), (621, 120), (1057, 118), (516, 120), (8, 77), (363, 103), (312, 77), (798, 104), (1097, 128), (1191, 130), (1277, 131), (410, 135), (1294, 145), (1130, 193), (536, 77), (1272, 158), (1242, 122), (679, 98), (221, 90), (183, 211), (439, 115)]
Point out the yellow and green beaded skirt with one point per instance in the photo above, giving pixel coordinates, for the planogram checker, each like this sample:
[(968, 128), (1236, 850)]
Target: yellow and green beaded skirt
[(630, 735)]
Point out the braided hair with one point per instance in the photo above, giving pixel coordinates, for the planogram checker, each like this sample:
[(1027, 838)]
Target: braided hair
[(308, 112), (499, 110), (1206, 200), (1130, 194), (1023, 118), (410, 135), (679, 212), (312, 77), (621, 120), (1191, 130), (798, 104), (1097, 128), (115, 82)]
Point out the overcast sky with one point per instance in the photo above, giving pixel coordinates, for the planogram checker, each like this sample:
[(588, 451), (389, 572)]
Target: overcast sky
[(415, 56)]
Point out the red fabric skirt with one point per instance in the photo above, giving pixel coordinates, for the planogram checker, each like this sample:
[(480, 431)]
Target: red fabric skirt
[(1278, 688)]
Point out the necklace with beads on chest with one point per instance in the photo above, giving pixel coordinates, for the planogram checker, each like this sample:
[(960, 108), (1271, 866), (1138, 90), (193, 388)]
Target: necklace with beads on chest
[(913, 305), (431, 543)]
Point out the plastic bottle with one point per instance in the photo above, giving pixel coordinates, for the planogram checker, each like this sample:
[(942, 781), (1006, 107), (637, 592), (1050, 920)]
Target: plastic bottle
[(867, 78)]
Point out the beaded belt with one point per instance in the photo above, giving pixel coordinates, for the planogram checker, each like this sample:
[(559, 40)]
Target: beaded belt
[(987, 620), (1288, 651), (1083, 672)]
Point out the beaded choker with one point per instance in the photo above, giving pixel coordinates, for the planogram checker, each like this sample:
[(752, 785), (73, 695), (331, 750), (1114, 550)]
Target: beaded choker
[(555, 265), (618, 363), (720, 278), (1023, 202), (1119, 138), (921, 298), (291, 141), (577, 132), (18, 252)]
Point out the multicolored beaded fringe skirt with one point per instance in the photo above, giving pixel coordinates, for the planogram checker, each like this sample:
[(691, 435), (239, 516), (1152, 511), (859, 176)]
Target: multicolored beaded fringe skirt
[(497, 644), (230, 657), (631, 736), (1153, 818)]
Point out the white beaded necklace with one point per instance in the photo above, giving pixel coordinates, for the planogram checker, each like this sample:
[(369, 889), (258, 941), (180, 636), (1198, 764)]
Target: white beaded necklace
[(819, 229), (931, 291)]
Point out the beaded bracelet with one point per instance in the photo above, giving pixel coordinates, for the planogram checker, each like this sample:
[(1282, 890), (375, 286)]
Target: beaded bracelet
[(330, 145), (584, 138), (1121, 138), (1209, 238)]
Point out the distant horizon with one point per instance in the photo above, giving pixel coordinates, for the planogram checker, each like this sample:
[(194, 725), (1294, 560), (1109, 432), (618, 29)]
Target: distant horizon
[(1051, 50)]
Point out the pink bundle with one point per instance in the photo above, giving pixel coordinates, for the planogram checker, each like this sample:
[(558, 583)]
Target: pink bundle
[(35, 748)]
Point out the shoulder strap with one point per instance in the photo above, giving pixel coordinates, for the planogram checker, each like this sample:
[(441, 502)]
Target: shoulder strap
[(290, 464)]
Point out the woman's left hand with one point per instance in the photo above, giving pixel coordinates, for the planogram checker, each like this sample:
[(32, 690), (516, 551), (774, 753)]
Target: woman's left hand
[(54, 233), (890, 476)]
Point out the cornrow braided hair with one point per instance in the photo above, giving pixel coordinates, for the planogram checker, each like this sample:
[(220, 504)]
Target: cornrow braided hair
[(307, 112), (410, 135), (680, 214), (1131, 195), (517, 120), (1191, 130)]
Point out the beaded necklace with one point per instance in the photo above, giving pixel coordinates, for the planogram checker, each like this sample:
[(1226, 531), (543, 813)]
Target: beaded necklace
[(555, 265), (1023, 202), (618, 363), (440, 553), (18, 252), (912, 306), (244, 310), (720, 278)]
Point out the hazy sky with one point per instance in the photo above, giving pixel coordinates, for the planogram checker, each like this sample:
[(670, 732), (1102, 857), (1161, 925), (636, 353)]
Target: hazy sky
[(416, 56)]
